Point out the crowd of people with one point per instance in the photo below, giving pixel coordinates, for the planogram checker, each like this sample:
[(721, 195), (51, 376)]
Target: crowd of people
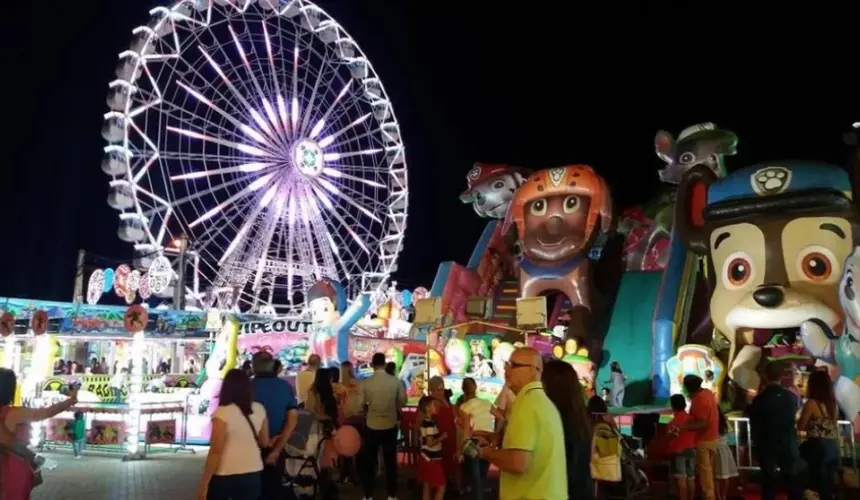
[(540, 434)]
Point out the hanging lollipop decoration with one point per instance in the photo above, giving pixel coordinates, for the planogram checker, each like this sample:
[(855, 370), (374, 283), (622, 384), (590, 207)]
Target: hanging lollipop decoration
[(120, 280), (144, 291), (133, 285), (160, 273), (96, 286), (108, 280)]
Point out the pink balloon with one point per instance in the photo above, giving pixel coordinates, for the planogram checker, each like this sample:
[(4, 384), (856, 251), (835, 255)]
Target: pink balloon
[(346, 441)]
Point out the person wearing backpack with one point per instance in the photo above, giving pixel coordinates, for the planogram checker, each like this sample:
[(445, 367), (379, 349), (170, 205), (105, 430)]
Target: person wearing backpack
[(239, 431)]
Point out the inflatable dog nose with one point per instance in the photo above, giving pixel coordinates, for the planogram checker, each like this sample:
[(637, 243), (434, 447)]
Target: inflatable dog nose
[(769, 296)]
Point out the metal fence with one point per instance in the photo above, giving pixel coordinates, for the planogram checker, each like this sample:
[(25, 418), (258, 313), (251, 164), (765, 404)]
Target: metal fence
[(744, 445)]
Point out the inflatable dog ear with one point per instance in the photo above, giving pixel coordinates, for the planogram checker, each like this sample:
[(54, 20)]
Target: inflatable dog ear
[(664, 146), (689, 208)]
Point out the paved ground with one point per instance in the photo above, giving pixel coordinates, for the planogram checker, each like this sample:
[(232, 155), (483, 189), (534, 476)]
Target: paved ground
[(160, 476)]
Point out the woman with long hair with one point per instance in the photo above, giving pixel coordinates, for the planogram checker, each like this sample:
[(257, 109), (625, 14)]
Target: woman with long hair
[(322, 403), (16, 474), (239, 430), (353, 411), (818, 420), (352, 408), (561, 384)]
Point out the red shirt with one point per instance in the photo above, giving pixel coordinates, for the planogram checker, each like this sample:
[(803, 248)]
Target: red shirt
[(686, 439), (703, 407), (445, 423)]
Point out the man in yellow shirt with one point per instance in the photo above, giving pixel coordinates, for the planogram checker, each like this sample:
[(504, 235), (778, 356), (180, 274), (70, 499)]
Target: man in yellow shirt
[(531, 460)]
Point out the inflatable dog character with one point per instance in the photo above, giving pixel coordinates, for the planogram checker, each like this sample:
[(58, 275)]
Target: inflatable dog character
[(491, 188), (777, 235), (843, 351), (702, 144), (558, 213)]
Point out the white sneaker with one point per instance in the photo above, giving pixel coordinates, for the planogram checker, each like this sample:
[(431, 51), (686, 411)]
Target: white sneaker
[(392, 498)]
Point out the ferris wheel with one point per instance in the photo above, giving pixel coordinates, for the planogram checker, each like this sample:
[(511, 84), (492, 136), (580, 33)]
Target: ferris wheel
[(259, 132)]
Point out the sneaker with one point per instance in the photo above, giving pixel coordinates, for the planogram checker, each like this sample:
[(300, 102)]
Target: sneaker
[(77, 457), (392, 498)]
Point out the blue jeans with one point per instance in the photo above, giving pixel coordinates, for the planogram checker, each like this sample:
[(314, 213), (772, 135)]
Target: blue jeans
[(684, 464), (78, 446), (235, 487), (117, 395), (475, 471), (821, 457)]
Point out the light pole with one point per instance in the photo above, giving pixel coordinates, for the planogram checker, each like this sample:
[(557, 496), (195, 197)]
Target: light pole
[(181, 244)]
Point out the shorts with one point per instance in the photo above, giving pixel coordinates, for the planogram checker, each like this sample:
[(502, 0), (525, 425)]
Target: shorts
[(430, 472), (684, 464)]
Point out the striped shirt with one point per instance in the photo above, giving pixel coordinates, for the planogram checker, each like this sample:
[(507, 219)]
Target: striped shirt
[(429, 432)]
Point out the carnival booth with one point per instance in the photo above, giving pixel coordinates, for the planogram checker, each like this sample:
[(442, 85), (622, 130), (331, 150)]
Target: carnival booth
[(153, 405)]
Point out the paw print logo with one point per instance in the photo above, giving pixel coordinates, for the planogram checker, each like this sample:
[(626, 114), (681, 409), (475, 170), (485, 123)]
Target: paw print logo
[(770, 180), (555, 175), (571, 348)]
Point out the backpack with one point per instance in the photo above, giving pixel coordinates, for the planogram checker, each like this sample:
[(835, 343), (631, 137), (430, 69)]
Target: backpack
[(606, 451)]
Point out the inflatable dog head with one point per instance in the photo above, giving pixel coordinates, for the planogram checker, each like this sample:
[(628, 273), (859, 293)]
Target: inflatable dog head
[(702, 144), (778, 235), (558, 212), (491, 188), (849, 294)]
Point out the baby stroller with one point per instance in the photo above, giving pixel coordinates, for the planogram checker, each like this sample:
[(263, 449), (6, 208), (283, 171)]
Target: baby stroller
[(303, 475), (613, 465)]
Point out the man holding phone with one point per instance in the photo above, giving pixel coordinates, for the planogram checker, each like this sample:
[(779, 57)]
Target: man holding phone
[(532, 459)]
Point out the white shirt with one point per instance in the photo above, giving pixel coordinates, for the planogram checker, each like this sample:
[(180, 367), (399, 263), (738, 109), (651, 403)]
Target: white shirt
[(304, 381), (480, 411), (241, 452), (505, 400), (118, 380)]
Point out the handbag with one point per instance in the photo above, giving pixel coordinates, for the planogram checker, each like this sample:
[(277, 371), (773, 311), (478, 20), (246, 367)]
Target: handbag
[(605, 464)]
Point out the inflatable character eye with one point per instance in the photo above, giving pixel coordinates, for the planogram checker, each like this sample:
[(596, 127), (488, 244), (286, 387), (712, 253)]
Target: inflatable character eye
[(499, 185), (815, 263), (687, 158), (715, 158), (538, 207), (737, 270), (571, 203)]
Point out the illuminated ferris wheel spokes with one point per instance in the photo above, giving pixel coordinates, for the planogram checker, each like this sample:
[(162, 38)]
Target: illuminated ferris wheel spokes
[(266, 136)]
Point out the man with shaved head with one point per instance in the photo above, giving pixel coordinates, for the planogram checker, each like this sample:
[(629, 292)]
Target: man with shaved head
[(531, 460)]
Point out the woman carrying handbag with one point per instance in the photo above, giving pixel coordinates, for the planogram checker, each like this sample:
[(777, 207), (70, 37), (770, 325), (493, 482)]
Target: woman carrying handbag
[(239, 429)]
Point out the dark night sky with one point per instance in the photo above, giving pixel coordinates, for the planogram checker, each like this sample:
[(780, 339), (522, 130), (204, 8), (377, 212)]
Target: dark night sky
[(525, 83)]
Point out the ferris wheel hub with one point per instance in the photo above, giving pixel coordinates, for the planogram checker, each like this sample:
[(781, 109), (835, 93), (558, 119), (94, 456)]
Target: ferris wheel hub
[(308, 157)]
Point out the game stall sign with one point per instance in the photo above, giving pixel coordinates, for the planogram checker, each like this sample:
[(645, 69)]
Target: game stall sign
[(280, 325), (98, 387)]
